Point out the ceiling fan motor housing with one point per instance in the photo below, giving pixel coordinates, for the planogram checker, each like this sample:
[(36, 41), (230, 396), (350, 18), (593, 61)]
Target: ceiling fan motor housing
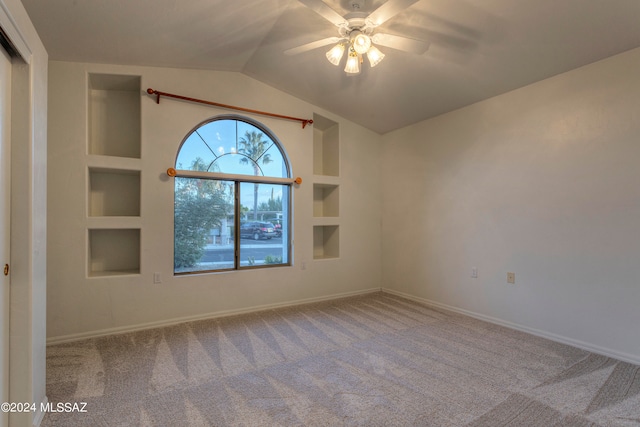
[(355, 23)]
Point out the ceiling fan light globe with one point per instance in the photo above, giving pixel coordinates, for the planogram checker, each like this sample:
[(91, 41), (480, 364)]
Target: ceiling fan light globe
[(334, 55), (375, 56), (361, 43), (353, 65)]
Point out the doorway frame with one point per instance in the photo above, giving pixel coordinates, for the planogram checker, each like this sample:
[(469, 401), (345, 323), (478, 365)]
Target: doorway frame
[(27, 306)]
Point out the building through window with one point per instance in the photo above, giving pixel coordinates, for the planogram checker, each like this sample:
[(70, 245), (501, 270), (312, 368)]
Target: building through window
[(233, 194)]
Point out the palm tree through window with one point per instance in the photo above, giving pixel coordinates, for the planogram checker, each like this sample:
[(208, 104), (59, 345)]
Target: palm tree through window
[(255, 149)]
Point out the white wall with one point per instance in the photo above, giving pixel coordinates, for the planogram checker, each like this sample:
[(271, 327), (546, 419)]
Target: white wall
[(78, 306), (541, 181), (28, 213)]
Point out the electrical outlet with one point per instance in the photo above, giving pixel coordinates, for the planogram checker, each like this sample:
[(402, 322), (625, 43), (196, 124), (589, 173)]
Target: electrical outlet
[(157, 277), (511, 278), (474, 272)]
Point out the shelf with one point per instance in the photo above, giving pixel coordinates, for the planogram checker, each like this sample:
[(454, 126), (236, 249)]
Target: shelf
[(326, 146), (114, 192), (326, 200), (326, 180), (324, 221), (113, 252), (114, 222), (114, 273), (114, 115), (326, 241), (116, 163)]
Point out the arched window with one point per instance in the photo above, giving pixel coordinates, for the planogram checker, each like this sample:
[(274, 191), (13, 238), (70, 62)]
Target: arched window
[(232, 198)]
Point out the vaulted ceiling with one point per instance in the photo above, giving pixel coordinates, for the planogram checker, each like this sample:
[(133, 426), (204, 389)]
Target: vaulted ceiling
[(478, 48)]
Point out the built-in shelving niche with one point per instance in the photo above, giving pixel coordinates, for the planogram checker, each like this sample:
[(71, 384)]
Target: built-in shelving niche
[(114, 192), (326, 146), (113, 252), (113, 175), (326, 188), (326, 200), (326, 241), (114, 115)]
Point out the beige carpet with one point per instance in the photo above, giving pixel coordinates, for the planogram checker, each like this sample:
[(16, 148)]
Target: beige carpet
[(375, 360)]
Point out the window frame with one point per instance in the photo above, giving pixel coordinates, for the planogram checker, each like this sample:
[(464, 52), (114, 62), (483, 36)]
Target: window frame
[(237, 179)]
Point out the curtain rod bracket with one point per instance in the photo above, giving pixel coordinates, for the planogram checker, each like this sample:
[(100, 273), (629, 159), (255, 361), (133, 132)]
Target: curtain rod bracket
[(151, 92)]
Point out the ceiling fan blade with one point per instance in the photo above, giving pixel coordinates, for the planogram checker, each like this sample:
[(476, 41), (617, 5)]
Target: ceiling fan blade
[(321, 8), (313, 45), (387, 11), (401, 43)]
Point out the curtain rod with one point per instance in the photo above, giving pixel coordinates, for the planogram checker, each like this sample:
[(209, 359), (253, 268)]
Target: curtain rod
[(150, 91)]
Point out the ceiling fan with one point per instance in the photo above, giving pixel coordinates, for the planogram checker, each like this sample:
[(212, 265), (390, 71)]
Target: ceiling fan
[(357, 34)]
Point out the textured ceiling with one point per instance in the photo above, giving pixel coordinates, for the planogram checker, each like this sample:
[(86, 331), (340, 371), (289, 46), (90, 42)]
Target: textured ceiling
[(478, 48)]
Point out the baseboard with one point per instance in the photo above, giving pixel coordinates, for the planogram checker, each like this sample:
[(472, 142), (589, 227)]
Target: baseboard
[(207, 316), (625, 357)]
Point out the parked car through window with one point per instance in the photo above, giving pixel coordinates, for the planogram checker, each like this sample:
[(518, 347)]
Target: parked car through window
[(257, 230)]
